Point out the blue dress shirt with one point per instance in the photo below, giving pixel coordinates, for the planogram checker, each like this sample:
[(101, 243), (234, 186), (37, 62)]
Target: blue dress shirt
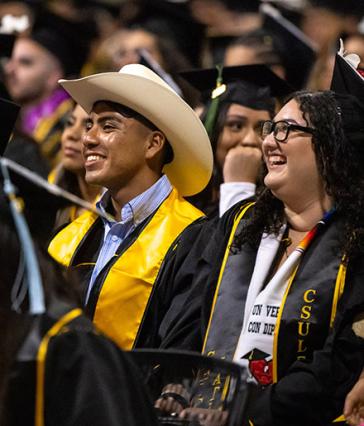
[(132, 214)]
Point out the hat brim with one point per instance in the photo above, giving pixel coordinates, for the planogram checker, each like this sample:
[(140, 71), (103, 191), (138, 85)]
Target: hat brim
[(191, 168)]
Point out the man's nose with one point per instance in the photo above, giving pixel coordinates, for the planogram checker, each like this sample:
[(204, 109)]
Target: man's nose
[(90, 138)]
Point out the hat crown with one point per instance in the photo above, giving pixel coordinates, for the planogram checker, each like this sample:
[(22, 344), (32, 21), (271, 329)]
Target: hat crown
[(144, 72)]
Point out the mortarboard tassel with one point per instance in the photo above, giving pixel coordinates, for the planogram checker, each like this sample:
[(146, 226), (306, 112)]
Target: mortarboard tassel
[(36, 295), (211, 114)]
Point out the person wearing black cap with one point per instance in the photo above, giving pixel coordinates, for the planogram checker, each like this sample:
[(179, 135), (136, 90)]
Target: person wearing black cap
[(246, 97), (282, 277), (347, 79), (259, 46), (56, 48), (56, 368), (22, 148)]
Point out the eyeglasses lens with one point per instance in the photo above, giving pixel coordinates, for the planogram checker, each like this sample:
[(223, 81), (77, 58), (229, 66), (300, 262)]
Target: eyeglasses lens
[(281, 131), (267, 128)]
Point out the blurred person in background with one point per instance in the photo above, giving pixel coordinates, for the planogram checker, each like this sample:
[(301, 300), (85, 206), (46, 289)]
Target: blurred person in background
[(56, 368), (279, 44), (55, 48), (127, 46), (256, 47), (21, 147), (325, 21), (70, 172)]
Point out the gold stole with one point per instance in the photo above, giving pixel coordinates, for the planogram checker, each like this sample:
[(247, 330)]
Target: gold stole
[(125, 293)]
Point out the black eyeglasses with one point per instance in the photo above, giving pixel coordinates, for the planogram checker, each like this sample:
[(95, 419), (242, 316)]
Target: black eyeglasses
[(281, 129)]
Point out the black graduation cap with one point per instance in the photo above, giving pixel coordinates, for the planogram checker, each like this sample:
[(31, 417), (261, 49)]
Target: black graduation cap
[(6, 45), (348, 85), (69, 41), (346, 79), (253, 86), (298, 53), (8, 112), (259, 75)]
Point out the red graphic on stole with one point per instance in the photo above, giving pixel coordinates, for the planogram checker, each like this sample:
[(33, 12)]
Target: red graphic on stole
[(261, 370)]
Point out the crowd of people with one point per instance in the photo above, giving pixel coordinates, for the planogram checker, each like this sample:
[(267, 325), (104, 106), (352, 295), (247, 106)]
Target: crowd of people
[(215, 149)]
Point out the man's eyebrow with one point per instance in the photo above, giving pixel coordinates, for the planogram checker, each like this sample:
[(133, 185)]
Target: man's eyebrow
[(106, 118)]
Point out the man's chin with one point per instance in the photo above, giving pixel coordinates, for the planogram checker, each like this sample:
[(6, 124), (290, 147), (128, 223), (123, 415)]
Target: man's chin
[(91, 179)]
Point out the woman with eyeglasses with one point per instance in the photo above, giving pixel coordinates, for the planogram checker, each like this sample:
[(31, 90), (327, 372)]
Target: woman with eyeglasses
[(282, 277)]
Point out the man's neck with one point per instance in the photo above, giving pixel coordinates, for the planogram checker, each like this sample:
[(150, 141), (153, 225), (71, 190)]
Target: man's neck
[(88, 192), (125, 194)]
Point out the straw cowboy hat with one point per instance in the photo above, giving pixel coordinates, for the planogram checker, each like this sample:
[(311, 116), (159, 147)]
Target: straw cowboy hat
[(140, 89)]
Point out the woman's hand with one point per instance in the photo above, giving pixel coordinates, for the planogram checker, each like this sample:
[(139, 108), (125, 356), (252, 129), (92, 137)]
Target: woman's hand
[(242, 164)]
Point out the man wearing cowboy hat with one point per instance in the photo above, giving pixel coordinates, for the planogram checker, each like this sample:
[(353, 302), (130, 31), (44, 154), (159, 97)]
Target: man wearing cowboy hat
[(149, 149)]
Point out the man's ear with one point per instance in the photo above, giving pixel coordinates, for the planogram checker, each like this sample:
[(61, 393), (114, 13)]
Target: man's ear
[(155, 144)]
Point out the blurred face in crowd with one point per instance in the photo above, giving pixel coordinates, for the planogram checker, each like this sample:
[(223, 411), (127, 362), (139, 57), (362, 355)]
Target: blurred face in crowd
[(126, 50), (322, 26), (71, 141), (32, 73), (245, 55), (242, 127)]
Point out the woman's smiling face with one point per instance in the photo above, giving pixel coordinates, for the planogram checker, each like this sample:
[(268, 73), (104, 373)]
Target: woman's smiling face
[(292, 166)]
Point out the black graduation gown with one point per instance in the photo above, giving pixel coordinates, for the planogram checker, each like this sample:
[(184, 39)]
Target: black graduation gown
[(172, 286), (308, 393), (87, 380)]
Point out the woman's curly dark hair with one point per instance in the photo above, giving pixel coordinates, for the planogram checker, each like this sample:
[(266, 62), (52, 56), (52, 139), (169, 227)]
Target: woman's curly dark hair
[(340, 165)]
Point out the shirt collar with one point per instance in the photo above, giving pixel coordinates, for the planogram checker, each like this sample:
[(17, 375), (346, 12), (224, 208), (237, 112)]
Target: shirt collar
[(143, 205)]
